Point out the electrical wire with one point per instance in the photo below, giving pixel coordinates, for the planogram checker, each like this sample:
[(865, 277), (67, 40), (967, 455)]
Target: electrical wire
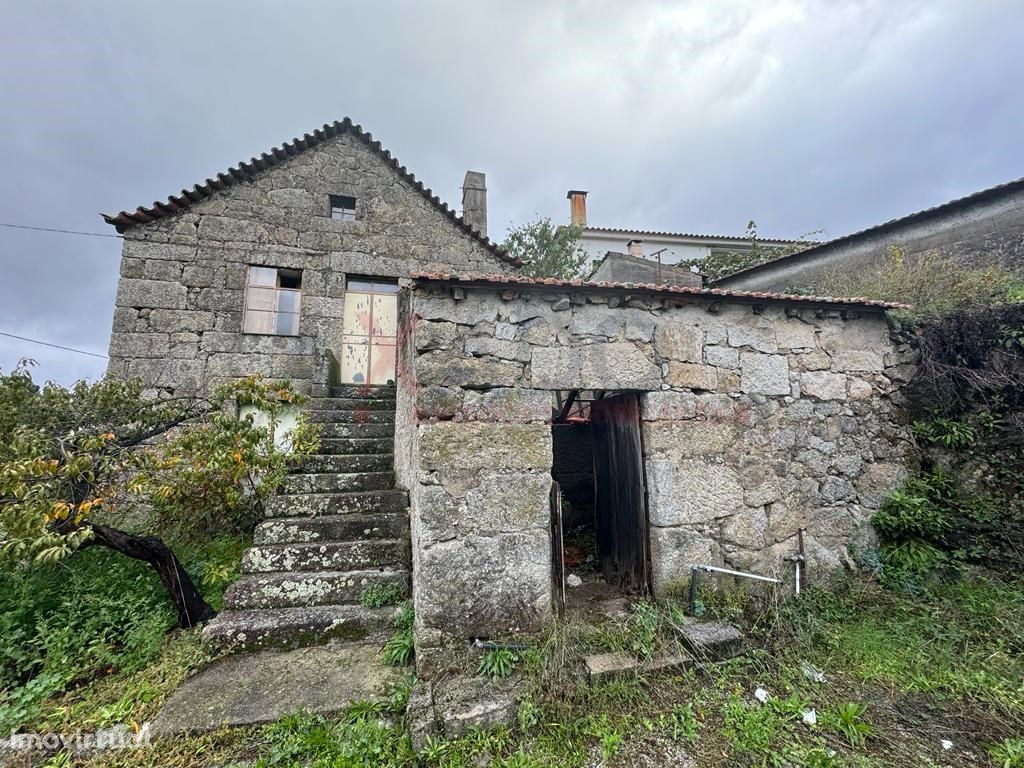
[(62, 231), (55, 346)]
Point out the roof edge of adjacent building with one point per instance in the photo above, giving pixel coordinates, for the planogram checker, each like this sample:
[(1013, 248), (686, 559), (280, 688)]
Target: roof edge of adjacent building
[(984, 195)]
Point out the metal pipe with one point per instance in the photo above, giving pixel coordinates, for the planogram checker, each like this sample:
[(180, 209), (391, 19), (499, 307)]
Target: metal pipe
[(487, 645), (730, 572)]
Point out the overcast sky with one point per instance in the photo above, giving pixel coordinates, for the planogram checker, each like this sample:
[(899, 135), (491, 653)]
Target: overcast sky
[(683, 116)]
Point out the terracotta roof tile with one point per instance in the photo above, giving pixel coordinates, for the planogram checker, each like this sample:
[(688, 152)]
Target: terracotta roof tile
[(246, 171), (473, 278)]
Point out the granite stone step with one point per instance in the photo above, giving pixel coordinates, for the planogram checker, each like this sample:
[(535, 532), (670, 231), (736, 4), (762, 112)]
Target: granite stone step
[(327, 556), (333, 482), (288, 590), (356, 502), (297, 530), (356, 416), (338, 429), (366, 462), (294, 627), (350, 404), (364, 391), (347, 446)]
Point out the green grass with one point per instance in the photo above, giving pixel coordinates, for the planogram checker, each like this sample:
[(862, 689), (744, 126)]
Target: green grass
[(85, 643), (904, 672)]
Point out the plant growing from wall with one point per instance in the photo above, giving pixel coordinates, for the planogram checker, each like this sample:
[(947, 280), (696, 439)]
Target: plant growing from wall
[(722, 263), (547, 250), (75, 463)]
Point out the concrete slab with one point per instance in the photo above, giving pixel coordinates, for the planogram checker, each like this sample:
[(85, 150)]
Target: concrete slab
[(603, 666), (253, 689)]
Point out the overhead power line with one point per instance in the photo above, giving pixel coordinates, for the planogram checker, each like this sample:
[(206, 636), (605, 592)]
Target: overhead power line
[(56, 346), (62, 231)]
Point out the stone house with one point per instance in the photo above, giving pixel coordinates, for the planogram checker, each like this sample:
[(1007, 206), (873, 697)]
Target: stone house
[(983, 228), (701, 426), (249, 272)]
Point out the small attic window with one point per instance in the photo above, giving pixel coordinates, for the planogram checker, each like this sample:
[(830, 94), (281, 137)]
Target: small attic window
[(343, 208)]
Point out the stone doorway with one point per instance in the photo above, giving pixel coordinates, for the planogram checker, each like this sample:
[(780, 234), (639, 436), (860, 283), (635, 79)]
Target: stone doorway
[(600, 535)]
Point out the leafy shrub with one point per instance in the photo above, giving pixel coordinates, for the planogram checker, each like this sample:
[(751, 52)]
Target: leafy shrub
[(98, 613), (944, 431), (933, 284)]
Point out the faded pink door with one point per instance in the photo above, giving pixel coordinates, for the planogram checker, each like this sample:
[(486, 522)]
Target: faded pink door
[(369, 332)]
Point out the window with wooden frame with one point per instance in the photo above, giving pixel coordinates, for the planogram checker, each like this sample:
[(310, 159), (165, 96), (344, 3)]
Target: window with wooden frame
[(343, 208), (273, 298)]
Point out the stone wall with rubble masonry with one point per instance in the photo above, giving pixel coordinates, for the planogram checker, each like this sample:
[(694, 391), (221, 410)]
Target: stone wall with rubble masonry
[(178, 315), (757, 421)]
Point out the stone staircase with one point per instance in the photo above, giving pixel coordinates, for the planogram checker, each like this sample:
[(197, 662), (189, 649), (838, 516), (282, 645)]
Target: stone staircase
[(336, 526)]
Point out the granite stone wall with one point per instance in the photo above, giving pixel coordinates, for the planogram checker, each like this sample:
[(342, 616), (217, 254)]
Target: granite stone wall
[(178, 316), (758, 418)]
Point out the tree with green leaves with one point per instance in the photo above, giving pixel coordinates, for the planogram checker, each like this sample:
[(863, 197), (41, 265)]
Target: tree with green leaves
[(547, 250), (77, 463)]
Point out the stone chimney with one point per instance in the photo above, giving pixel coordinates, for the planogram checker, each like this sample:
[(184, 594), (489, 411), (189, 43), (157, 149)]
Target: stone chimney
[(634, 248), (577, 207), (474, 201)]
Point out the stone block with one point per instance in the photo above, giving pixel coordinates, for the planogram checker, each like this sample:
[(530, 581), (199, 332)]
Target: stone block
[(858, 360), (440, 368), (691, 491), (596, 320), (792, 333), (505, 350), (722, 357), (485, 586), (465, 312), (640, 325), (674, 551), (291, 367), (438, 402), (481, 445), (181, 320), (508, 405), (764, 374), (692, 376), (134, 345), (154, 294), (753, 334), (435, 335), (747, 528), (812, 361), (860, 389), (823, 385), (616, 365), (668, 406), (683, 343), (712, 640), (689, 438)]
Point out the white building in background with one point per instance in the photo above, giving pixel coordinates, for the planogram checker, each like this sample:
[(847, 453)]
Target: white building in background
[(671, 247)]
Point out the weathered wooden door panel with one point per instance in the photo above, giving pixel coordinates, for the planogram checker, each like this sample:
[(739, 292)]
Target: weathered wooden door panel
[(620, 498)]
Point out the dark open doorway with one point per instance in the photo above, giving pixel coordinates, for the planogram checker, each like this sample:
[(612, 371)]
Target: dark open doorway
[(599, 511)]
